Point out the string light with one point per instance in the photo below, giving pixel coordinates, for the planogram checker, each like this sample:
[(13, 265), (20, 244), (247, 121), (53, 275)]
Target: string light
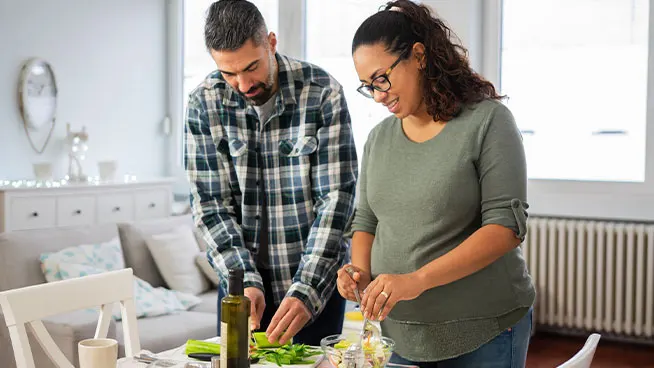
[(92, 180)]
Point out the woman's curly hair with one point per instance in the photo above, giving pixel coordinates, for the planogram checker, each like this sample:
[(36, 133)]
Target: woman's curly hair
[(449, 83)]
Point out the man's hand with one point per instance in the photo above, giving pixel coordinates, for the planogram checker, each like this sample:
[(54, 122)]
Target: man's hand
[(257, 305), (289, 319)]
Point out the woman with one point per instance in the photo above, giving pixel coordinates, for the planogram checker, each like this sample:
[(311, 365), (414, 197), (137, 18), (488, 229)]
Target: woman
[(441, 210)]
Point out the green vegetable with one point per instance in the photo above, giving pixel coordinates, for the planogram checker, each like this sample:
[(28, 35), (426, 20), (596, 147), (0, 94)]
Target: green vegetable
[(262, 341), (199, 346), (343, 344), (287, 354)]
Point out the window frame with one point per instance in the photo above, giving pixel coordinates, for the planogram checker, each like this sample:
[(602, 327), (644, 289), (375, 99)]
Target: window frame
[(579, 198), (561, 198), (174, 122)]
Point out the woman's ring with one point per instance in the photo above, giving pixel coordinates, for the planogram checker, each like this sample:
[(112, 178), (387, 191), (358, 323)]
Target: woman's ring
[(384, 294)]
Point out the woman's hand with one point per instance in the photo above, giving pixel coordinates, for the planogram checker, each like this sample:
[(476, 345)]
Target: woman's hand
[(346, 283), (386, 290)]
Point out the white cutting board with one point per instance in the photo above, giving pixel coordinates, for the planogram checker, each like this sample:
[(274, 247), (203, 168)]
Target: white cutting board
[(318, 360)]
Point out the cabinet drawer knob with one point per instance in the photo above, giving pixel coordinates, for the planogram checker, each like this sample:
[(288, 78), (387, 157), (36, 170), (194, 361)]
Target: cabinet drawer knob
[(78, 212), (151, 205), (116, 209), (35, 214)]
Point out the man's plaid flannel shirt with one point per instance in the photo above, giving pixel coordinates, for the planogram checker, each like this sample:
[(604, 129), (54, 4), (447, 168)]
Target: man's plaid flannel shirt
[(310, 171)]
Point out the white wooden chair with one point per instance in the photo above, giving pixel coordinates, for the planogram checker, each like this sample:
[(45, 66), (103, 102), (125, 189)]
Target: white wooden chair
[(585, 356), (28, 305)]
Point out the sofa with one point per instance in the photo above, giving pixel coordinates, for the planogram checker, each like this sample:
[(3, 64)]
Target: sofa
[(20, 266)]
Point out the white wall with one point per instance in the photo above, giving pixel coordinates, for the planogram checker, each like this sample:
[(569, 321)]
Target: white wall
[(109, 58)]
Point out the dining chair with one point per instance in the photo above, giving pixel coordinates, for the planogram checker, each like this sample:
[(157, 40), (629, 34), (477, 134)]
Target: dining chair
[(28, 305), (584, 357)]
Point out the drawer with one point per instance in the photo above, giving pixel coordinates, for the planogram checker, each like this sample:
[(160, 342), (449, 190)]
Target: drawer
[(151, 204), (32, 213), (115, 207), (75, 211)]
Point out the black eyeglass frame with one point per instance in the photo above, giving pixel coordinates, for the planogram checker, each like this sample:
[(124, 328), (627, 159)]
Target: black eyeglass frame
[(368, 89)]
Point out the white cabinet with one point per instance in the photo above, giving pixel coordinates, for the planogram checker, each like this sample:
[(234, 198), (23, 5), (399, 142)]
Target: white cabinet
[(27, 208), (75, 210), (25, 213), (115, 207), (151, 203)]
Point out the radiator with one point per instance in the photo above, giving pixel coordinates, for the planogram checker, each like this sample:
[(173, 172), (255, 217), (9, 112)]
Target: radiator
[(593, 276)]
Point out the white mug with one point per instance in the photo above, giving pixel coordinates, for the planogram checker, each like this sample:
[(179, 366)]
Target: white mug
[(98, 353)]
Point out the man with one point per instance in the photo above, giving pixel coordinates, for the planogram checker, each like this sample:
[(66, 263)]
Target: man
[(272, 166)]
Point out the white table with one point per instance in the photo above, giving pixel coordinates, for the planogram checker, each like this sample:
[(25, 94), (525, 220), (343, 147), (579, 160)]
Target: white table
[(177, 354)]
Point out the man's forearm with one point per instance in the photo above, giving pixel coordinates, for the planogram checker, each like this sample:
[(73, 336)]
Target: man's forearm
[(223, 237), (316, 278)]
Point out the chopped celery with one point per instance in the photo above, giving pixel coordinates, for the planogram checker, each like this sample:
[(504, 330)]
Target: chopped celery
[(287, 354), (262, 341), (199, 346)]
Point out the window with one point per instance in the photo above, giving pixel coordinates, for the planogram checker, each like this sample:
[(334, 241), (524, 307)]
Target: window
[(587, 117), (575, 73), (331, 50)]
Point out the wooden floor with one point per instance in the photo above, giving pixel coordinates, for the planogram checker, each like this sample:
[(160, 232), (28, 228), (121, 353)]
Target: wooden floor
[(548, 351)]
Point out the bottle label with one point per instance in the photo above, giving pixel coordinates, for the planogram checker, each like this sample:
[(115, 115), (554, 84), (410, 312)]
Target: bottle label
[(223, 344)]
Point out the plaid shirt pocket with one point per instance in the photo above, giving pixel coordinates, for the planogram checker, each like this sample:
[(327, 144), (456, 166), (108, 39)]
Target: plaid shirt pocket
[(298, 147), (295, 159), (237, 147)]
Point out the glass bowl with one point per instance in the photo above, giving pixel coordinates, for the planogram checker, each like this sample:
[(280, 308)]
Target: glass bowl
[(336, 346)]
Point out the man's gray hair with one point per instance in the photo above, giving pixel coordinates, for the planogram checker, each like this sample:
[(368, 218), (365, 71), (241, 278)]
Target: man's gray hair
[(231, 23)]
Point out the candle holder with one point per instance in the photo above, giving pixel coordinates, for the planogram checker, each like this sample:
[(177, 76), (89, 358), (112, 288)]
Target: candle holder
[(77, 147)]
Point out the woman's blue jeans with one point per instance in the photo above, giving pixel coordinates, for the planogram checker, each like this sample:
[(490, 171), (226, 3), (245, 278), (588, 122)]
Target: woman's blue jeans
[(507, 350)]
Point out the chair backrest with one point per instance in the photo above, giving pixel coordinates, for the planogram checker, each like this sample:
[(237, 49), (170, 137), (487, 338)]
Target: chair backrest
[(28, 305), (584, 357)]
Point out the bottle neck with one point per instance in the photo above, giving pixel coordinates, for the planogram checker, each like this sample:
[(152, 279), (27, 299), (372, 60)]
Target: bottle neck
[(235, 286)]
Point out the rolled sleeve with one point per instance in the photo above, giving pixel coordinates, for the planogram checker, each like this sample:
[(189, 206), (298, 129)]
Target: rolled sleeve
[(503, 173)]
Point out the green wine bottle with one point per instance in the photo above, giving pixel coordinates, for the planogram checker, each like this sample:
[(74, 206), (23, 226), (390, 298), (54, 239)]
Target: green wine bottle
[(235, 324)]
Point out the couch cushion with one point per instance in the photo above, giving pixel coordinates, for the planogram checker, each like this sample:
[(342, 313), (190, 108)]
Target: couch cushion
[(137, 255), (69, 328), (148, 301), (207, 269), (174, 253), (20, 250), (167, 332), (209, 303)]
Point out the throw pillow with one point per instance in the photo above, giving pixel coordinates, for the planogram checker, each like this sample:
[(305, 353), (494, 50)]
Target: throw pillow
[(107, 256), (174, 253), (207, 269), (148, 301)]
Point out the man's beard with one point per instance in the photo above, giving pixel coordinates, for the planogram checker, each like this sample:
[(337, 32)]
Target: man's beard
[(266, 89), (263, 96)]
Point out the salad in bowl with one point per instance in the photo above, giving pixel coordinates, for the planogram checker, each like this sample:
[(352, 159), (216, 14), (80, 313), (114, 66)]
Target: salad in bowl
[(374, 353)]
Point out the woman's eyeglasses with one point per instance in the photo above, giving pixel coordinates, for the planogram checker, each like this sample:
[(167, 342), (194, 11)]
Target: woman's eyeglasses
[(380, 83)]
